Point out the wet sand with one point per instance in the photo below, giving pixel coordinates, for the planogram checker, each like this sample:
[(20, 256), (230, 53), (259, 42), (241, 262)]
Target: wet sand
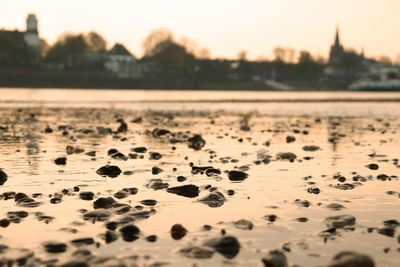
[(254, 182)]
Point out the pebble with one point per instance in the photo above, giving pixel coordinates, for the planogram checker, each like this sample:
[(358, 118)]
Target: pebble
[(372, 166), (60, 161), (311, 148), (55, 247), (189, 190), (237, 175), (340, 221), (228, 246), (351, 259), (275, 258), (286, 156), (130, 232), (110, 171), (3, 177), (196, 142), (103, 203), (178, 231), (243, 224), (110, 237), (197, 252), (86, 195), (214, 200)]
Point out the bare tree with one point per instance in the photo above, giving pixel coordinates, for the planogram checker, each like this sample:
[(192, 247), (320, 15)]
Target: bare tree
[(154, 38), (95, 42)]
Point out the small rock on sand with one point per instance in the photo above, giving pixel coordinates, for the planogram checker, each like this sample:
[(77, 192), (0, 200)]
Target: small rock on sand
[(275, 258), (110, 171), (189, 190), (228, 246), (3, 177), (351, 259), (237, 175), (178, 231)]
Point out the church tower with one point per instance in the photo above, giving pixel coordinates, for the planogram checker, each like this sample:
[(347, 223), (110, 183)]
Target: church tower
[(336, 49), (31, 35)]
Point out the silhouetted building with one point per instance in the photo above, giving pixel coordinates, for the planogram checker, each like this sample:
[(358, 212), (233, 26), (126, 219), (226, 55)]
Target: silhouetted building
[(345, 65), (18, 47), (337, 50)]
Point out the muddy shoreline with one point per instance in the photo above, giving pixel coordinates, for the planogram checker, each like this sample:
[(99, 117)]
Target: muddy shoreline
[(100, 186)]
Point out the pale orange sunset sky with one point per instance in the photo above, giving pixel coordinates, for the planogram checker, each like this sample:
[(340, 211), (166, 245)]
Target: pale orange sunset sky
[(225, 27)]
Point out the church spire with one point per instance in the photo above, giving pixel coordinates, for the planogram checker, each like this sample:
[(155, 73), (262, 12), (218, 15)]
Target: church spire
[(337, 40)]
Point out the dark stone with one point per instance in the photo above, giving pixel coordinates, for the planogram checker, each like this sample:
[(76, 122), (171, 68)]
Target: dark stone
[(156, 170), (372, 166), (302, 219), (55, 200), (286, 155), (4, 222), (130, 232), (3, 177), (123, 127), (351, 259), (189, 190), (387, 231), (123, 193), (119, 156), (304, 203), (178, 231), (91, 153), (212, 171), (139, 149), (149, 202), (237, 175), (196, 142), (151, 238), (228, 246), (155, 156), (160, 132), (110, 171), (111, 225), (231, 192), (55, 247), (275, 258), (110, 237), (112, 151), (181, 178), (103, 203), (60, 161), (214, 200), (339, 221), (271, 217), (86, 195), (95, 215), (82, 241), (290, 139), (19, 214), (313, 190), (310, 148)]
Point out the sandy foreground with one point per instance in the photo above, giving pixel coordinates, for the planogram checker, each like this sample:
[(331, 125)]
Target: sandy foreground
[(109, 187)]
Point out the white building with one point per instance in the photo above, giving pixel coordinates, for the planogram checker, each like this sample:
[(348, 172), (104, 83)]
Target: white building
[(123, 63), (31, 35)]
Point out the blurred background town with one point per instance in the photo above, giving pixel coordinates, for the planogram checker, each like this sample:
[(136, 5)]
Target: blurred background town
[(88, 60)]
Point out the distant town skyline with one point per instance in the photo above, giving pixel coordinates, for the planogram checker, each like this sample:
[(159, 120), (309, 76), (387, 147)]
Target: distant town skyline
[(224, 27)]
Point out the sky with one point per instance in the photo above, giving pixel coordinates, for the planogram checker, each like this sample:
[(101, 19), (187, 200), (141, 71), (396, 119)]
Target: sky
[(223, 26)]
